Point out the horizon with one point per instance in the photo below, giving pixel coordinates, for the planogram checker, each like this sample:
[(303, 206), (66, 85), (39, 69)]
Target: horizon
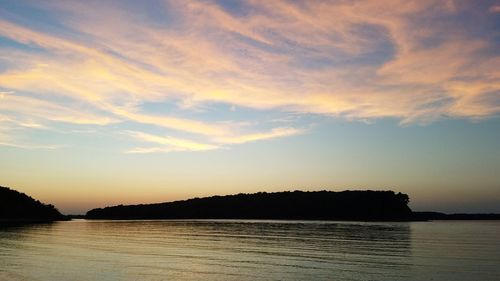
[(124, 102), (83, 212)]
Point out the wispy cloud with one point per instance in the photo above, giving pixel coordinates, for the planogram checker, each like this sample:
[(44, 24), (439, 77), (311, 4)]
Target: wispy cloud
[(10, 129), (41, 109), (167, 143), (7, 139), (495, 8), (102, 64), (180, 124), (28, 146), (274, 133)]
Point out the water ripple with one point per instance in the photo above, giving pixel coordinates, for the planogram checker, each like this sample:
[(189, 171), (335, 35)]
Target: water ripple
[(250, 250)]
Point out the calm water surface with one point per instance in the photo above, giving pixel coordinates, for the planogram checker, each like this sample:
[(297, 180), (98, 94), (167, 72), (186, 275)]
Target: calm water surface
[(251, 250)]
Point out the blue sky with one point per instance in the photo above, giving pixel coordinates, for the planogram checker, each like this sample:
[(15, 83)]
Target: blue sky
[(125, 102)]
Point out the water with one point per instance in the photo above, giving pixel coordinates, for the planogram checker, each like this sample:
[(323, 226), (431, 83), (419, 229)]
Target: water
[(251, 250)]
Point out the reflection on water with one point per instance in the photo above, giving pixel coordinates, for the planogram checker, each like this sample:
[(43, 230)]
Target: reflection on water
[(249, 250)]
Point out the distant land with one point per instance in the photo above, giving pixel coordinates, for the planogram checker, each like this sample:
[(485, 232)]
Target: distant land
[(426, 216), (367, 205), (297, 205), (19, 207)]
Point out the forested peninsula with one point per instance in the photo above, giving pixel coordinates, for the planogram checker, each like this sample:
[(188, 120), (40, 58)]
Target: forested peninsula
[(19, 207), (297, 205)]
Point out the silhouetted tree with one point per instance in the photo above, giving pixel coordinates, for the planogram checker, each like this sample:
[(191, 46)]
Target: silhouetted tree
[(16, 206)]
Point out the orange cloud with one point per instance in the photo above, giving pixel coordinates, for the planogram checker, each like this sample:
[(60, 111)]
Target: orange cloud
[(358, 60)]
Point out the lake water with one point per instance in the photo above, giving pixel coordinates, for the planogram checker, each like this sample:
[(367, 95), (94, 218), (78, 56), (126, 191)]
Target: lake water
[(251, 250)]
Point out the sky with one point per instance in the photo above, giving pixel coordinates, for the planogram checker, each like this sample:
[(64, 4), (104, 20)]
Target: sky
[(122, 102)]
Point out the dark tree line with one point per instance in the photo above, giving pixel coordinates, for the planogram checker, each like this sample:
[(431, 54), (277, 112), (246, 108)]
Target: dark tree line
[(315, 205), (16, 206), (426, 216)]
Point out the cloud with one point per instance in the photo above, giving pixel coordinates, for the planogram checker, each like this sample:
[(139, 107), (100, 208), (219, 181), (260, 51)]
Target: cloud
[(170, 144), (274, 133), (495, 9), (107, 63), (3, 94), (7, 138), (180, 124), (167, 143), (28, 146), (39, 109)]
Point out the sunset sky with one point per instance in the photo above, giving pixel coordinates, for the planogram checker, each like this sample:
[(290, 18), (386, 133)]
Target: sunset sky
[(111, 102)]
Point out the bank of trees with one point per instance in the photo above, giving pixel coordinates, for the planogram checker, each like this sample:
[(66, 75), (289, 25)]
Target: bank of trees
[(300, 205)]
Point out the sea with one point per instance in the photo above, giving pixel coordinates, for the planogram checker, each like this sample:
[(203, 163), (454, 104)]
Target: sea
[(251, 250)]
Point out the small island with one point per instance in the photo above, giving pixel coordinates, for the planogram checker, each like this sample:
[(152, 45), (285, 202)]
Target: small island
[(18, 207), (297, 205)]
